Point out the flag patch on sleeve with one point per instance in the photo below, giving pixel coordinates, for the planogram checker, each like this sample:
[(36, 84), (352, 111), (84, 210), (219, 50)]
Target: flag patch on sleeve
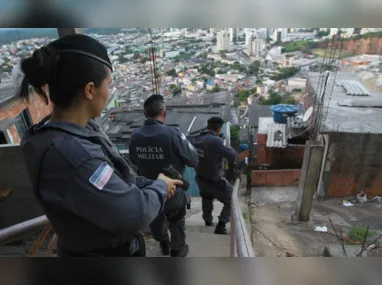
[(101, 176)]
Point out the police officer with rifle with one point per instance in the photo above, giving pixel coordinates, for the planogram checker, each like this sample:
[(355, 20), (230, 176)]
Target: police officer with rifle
[(155, 148), (212, 149)]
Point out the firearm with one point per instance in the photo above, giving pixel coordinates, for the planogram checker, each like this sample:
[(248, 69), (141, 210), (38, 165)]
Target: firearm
[(172, 173)]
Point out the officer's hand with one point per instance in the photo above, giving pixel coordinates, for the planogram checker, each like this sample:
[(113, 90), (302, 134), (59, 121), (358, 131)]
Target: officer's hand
[(171, 184)]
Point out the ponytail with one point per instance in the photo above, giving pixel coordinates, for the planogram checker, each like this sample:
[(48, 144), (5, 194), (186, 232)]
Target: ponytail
[(37, 71)]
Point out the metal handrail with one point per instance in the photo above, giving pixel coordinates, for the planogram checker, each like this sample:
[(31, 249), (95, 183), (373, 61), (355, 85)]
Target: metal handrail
[(9, 233), (241, 245)]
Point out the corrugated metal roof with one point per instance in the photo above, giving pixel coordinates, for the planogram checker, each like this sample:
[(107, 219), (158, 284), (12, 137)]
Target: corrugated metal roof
[(255, 111), (277, 136), (353, 87)]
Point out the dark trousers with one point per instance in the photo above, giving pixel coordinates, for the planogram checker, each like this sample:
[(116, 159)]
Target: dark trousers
[(221, 191), (173, 220)]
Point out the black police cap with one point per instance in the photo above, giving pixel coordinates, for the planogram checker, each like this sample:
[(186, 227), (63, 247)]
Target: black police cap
[(82, 45), (152, 99), (216, 121)]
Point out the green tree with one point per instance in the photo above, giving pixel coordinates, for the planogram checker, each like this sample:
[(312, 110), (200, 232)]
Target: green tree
[(136, 55), (274, 99), (322, 34), (235, 134), (253, 68), (289, 100), (145, 59), (171, 72), (214, 40), (285, 72), (216, 89), (176, 91), (242, 96)]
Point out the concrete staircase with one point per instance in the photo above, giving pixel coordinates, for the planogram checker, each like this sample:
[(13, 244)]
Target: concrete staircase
[(201, 239)]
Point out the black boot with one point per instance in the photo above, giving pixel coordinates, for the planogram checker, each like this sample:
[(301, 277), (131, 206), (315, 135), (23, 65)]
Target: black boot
[(165, 247), (220, 228), (209, 224), (180, 253)]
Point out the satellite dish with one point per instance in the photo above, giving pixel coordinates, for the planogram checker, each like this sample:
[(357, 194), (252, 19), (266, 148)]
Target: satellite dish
[(308, 114)]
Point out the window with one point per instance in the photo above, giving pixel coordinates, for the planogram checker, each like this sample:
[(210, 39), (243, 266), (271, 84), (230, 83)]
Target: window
[(3, 139), (23, 122)]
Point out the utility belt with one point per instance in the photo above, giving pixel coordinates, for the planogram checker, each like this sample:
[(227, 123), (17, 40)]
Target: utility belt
[(221, 182), (121, 250)]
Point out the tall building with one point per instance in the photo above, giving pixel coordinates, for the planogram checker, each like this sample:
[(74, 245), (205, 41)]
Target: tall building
[(222, 40), (213, 30), (276, 36), (284, 32), (173, 30), (248, 38), (233, 34), (334, 31), (257, 46)]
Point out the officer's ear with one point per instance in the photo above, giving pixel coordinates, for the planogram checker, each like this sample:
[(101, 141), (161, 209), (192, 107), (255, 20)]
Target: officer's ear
[(164, 114), (89, 91)]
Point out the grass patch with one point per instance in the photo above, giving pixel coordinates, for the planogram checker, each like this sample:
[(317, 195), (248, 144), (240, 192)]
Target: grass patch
[(321, 53), (357, 234)]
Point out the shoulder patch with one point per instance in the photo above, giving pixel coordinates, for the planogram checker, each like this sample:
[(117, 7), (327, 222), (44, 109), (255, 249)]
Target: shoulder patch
[(101, 176), (224, 143)]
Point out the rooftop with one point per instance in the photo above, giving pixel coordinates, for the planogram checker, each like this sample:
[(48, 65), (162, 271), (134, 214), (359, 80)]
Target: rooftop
[(343, 115), (255, 111), (264, 123), (189, 118)]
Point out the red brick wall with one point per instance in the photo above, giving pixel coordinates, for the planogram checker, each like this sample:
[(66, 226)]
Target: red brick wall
[(282, 177), (37, 109), (279, 158), (243, 155), (353, 164)]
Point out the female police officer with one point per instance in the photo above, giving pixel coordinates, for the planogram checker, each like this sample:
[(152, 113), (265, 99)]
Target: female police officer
[(93, 200)]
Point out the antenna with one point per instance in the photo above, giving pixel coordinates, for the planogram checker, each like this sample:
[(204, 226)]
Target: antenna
[(307, 114)]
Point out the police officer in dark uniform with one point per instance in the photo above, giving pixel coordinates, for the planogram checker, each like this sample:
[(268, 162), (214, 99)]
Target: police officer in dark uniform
[(212, 149), (94, 201), (153, 147)]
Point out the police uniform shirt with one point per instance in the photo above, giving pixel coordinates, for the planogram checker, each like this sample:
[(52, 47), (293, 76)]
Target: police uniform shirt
[(85, 197), (155, 146), (212, 149)]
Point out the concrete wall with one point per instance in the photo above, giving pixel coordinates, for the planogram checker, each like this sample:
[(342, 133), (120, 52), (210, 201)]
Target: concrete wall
[(353, 163), (290, 157), (270, 178), (20, 204)]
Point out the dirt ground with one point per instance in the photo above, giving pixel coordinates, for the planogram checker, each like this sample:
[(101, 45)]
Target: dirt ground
[(274, 234)]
